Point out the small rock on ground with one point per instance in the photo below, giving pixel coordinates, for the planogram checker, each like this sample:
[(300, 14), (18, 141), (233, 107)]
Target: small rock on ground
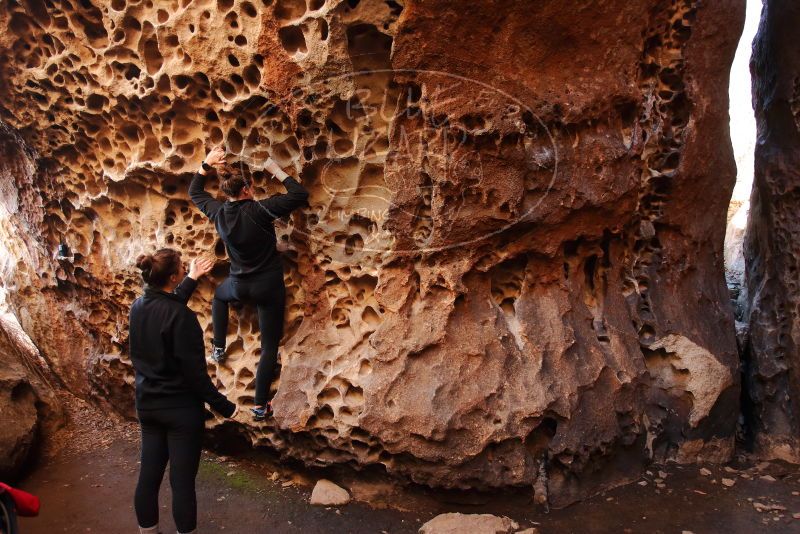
[(473, 523), (326, 493)]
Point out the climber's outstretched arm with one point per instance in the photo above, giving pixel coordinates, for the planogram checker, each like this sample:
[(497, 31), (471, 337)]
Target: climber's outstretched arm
[(197, 188), (295, 197)]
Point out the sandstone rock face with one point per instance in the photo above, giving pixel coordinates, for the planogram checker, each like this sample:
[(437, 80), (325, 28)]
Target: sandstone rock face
[(26, 401), (772, 241), (20, 419), (510, 270)]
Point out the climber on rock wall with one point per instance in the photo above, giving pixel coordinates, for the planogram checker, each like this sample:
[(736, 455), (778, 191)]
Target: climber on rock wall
[(172, 383), (256, 276)]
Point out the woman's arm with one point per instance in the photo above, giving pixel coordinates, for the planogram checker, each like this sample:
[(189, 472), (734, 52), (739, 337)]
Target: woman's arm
[(197, 188), (295, 197), (197, 268), (190, 353), (185, 289)]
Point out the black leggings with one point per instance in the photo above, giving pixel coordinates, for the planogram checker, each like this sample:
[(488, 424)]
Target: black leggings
[(174, 435), (268, 293)]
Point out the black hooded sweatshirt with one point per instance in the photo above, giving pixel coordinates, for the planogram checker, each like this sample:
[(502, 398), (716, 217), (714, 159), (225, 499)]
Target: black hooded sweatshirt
[(167, 351), (245, 226)]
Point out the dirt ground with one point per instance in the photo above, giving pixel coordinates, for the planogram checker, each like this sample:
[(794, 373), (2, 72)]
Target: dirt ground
[(87, 475)]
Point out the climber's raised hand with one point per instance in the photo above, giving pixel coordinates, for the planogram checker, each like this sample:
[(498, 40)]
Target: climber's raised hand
[(199, 267), (216, 156), (275, 169)]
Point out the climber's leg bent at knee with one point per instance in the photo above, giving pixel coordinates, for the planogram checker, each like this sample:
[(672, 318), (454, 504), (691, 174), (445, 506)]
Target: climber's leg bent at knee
[(224, 295), (268, 293)]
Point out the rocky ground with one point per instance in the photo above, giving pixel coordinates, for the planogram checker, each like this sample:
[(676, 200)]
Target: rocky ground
[(88, 471)]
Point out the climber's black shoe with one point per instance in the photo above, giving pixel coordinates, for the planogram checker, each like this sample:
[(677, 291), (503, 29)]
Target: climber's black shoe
[(218, 354)]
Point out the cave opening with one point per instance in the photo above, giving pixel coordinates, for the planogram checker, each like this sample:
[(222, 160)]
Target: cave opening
[(743, 139)]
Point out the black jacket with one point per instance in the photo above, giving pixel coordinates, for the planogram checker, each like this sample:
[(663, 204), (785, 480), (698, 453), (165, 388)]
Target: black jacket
[(245, 226), (167, 351)]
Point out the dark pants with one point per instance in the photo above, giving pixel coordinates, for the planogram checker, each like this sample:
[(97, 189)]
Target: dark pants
[(268, 293), (171, 435)]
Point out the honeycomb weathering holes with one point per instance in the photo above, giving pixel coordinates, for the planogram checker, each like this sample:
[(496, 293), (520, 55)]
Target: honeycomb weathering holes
[(365, 324)]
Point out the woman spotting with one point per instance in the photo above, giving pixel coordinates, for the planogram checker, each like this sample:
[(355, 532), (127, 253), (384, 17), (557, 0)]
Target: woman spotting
[(166, 347)]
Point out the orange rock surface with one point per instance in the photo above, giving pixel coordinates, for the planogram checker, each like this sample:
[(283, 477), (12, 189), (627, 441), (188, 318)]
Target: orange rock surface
[(510, 270)]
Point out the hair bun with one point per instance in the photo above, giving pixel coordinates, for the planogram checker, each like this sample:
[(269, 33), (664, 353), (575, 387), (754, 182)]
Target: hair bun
[(158, 267), (144, 262)]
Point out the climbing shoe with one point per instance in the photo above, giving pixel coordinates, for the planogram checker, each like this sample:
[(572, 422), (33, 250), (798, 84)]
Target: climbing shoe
[(260, 414), (218, 354)]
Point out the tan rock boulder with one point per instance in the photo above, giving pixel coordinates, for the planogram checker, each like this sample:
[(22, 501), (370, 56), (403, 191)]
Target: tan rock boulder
[(454, 523), (326, 493)]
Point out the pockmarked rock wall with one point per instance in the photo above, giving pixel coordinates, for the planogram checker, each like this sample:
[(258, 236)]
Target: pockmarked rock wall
[(772, 240), (29, 407), (510, 271)]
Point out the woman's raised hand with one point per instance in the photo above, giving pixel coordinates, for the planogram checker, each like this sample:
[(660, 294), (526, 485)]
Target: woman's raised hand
[(199, 267)]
